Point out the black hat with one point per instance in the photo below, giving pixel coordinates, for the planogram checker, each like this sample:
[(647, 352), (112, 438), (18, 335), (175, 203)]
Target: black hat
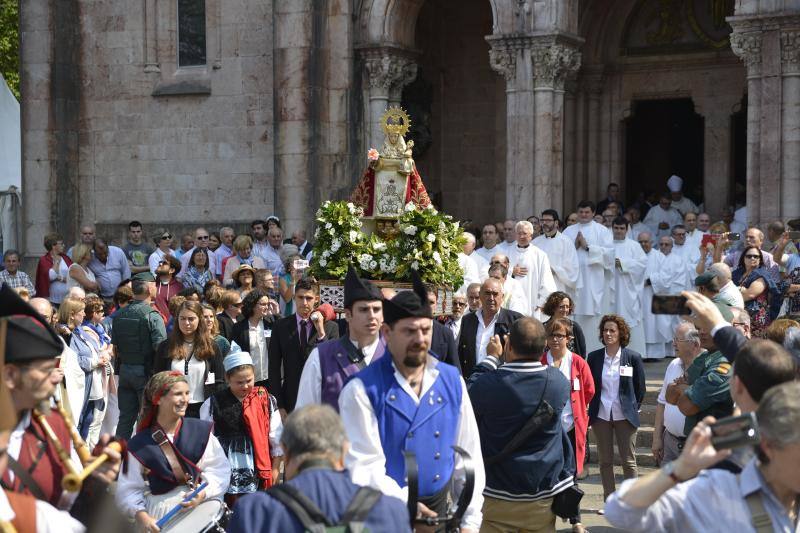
[(408, 304), (29, 336), (704, 279), (356, 289)]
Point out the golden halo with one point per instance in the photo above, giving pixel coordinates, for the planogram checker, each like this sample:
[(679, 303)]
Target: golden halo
[(395, 120)]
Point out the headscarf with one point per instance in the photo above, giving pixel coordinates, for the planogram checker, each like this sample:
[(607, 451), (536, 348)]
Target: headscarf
[(158, 385)]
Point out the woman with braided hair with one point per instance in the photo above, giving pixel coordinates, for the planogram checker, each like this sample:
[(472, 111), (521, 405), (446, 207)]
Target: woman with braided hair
[(169, 455)]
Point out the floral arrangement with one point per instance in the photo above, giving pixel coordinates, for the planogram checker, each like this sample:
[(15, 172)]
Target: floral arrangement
[(428, 241)]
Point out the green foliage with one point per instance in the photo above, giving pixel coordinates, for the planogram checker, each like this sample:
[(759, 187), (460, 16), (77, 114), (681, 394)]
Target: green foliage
[(428, 241), (9, 44)]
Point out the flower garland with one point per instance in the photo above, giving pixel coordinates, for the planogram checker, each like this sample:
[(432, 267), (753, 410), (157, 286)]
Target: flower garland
[(429, 242)]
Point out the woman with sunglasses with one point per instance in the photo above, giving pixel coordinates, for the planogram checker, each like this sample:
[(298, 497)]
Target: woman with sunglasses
[(574, 417), (163, 241), (762, 299)]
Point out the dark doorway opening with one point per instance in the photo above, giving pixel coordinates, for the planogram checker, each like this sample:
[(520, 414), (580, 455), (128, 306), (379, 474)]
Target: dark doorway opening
[(664, 137), (739, 154)]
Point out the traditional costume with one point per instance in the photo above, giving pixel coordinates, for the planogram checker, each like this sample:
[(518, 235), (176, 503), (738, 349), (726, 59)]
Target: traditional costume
[(249, 430), (563, 261), (538, 283), (164, 467), (331, 364), (627, 289), (384, 417), (596, 262)]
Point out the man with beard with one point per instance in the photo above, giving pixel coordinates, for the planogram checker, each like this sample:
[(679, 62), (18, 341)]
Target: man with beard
[(330, 364), (166, 284), (560, 252), (409, 401), (30, 374)]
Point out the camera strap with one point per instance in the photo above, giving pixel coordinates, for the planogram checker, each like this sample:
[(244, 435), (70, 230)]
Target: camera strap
[(759, 518)]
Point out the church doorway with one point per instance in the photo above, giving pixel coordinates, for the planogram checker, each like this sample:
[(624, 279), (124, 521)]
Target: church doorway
[(663, 137), (458, 108)]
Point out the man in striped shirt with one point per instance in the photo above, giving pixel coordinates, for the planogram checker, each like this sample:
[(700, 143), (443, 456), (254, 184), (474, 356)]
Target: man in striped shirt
[(13, 276)]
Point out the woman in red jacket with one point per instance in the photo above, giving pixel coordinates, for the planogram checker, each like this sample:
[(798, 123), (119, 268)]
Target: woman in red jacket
[(52, 270), (574, 368)]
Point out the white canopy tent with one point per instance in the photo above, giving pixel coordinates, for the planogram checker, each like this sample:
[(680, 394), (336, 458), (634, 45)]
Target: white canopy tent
[(10, 166)]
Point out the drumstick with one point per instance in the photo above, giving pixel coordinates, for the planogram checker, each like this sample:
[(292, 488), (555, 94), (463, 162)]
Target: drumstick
[(178, 508)]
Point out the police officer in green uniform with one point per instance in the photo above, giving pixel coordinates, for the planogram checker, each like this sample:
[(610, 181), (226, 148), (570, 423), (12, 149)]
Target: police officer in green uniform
[(136, 332), (704, 389)]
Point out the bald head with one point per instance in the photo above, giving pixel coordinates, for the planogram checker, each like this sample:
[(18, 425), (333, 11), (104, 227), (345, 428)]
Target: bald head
[(723, 272), (42, 306), (499, 259), (469, 244)]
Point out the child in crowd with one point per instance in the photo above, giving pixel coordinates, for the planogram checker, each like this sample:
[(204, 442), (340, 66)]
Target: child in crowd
[(248, 426)]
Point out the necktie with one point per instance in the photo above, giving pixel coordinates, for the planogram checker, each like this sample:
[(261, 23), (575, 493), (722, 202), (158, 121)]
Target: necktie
[(303, 336)]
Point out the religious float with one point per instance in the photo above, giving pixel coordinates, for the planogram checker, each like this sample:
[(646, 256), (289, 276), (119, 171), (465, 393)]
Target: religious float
[(388, 228)]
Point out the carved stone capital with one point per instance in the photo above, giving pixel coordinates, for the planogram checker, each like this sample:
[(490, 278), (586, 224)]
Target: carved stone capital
[(790, 51), (388, 69), (553, 64), (503, 61), (748, 47)]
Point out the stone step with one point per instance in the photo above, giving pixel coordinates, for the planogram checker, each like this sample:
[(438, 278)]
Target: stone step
[(647, 415), (644, 457)]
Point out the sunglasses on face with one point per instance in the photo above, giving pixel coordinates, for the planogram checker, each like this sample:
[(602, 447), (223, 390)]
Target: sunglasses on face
[(202, 238), (166, 237)]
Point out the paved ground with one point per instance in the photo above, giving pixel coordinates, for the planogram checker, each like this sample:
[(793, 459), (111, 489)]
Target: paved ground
[(593, 500)]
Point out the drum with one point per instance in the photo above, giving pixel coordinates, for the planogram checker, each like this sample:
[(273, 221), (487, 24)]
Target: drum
[(206, 517)]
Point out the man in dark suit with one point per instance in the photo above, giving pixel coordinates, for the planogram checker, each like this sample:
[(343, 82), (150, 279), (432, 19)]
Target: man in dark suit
[(479, 327), (299, 240), (293, 338), (443, 343)]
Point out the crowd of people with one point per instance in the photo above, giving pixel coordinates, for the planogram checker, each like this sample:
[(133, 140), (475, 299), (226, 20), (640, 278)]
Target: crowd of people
[(215, 363)]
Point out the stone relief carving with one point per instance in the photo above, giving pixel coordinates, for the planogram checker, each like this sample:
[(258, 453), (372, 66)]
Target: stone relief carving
[(553, 63), (748, 47), (668, 16), (387, 70), (503, 61), (790, 50)]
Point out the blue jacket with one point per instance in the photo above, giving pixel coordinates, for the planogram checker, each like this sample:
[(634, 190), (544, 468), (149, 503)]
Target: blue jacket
[(331, 491), (504, 400), (631, 389)]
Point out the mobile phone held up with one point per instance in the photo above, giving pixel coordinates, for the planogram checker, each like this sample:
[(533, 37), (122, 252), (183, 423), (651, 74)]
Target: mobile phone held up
[(669, 305), (735, 432), (300, 264)]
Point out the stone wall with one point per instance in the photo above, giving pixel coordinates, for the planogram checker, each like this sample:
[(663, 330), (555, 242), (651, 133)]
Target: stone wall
[(150, 141)]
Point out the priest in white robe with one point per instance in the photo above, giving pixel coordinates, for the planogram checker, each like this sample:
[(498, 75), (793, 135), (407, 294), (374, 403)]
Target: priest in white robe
[(490, 240), (560, 252), (636, 226), (694, 235), (470, 268), (662, 217), (514, 296), (690, 255), (469, 251), (657, 345), (671, 278), (595, 248), (630, 265), (679, 201), (531, 268)]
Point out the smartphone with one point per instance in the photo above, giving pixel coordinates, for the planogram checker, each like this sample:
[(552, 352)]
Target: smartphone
[(669, 305), (709, 238), (794, 235), (501, 330), (734, 236), (735, 432), (300, 264)]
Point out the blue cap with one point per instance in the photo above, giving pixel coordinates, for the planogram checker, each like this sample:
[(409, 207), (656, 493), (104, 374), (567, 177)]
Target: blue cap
[(236, 357)]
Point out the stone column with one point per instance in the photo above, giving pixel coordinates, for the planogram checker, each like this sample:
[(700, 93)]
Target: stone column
[(535, 68), (717, 168), (790, 163), (387, 71)]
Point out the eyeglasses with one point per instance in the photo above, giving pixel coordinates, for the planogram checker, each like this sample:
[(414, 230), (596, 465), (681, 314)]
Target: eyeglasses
[(459, 304), (750, 256), (557, 336), (679, 234)]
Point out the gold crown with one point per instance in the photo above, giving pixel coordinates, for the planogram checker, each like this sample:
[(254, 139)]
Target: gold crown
[(395, 120)]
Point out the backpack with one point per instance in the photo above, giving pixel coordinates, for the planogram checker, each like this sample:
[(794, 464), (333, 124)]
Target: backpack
[(315, 521)]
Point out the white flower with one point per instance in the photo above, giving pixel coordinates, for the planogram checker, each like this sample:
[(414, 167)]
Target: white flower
[(442, 227), (432, 209), (335, 245), (319, 213), (316, 233), (353, 235), (410, 207), (373, 264), (410, 230), (365, 258), (327, 203), (379, 246), (414, 265), (431, 237), (437, 257), (328, 225), (326, 254), (323, 262), (351, 207)]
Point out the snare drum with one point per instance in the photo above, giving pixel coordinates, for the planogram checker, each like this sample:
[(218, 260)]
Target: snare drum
[(206, 517)]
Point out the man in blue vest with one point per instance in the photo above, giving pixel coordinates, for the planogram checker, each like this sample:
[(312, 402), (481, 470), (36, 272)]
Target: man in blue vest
[(331, 363), (409, 401)]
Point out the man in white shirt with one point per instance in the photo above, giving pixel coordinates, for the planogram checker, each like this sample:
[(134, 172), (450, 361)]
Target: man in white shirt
[(531, 268), (668, 435), (630, 265), (662, 217), (489, 237), (728, 292), (694, 236), (226, 237), (679, 201), (595, 247), (480, 262), (331, 363), (509, 236), (560, 252), (409, 401)]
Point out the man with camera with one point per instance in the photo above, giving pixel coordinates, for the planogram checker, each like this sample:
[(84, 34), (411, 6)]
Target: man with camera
[(528, 457), (685, 495)]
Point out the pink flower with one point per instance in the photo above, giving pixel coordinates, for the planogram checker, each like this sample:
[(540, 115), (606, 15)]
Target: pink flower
[(373, 154)]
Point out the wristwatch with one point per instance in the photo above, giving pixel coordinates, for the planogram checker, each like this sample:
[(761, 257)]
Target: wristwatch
[(669, 470)]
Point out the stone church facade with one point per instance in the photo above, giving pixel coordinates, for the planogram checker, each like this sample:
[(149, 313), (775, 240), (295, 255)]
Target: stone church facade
[(187, 112)]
